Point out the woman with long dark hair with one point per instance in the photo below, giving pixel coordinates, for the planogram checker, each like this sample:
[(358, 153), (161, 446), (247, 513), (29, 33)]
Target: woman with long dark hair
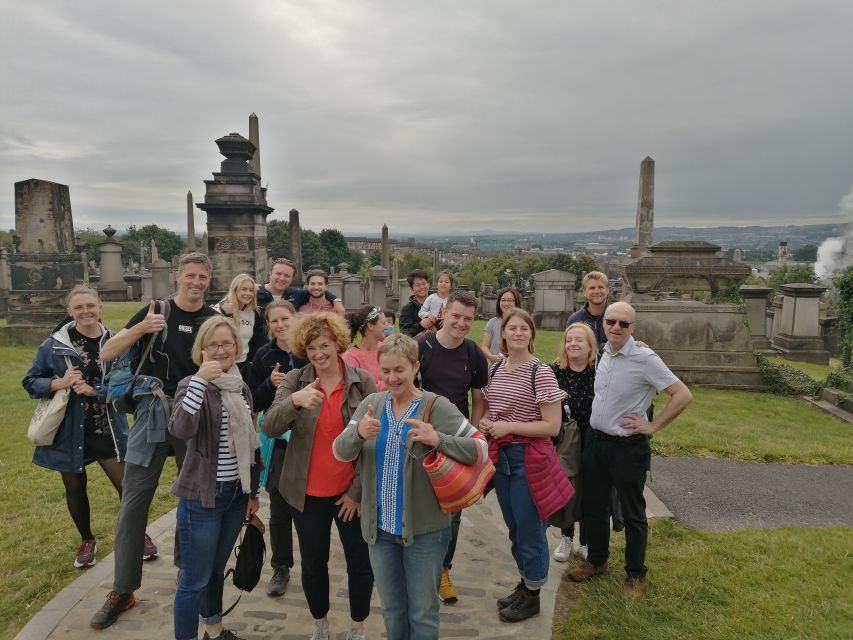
[(508, 298), (369, 323)]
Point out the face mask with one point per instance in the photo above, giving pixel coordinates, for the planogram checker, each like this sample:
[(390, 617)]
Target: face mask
[(388, 330)]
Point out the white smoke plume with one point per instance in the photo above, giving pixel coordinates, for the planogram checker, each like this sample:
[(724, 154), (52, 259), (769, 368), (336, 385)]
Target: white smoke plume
[(836, 254)]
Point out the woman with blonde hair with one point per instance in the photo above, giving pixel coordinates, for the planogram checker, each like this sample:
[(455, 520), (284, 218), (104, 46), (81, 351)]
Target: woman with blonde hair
[(574, 369), (406, 530), (219, 480), (315, 403), (241, 305), (92, 430)]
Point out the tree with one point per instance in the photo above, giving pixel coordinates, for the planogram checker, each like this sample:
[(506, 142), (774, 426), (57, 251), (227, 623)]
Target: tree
[(90, 239), (410, 261), (169, 244), (844, 285), (278, 239), (312, 251), (335, 247), (806, 253), (788, 273)]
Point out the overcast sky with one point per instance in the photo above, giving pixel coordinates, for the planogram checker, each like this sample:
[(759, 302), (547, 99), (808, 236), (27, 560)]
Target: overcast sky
[(439, 115)]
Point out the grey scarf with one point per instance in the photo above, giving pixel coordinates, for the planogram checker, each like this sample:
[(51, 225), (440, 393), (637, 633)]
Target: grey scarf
[(242, 437)]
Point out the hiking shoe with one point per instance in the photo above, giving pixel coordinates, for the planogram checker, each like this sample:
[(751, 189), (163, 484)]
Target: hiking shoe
[(525, 605), (321, 631), (504, 602), (226, 634), (86, 554), (278, 582), (116, 604), (634, 587), (354, 634), (564, 550), (586, 570), (446, 591), (149, 549), (581, 552)]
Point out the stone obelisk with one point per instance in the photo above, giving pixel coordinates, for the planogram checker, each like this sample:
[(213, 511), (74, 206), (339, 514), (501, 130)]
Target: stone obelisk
[(646, 205), (255, 139), (386, 248), (295, 232), (190, 222)]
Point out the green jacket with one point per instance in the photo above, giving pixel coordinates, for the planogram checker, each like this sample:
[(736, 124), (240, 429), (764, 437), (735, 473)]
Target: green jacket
[(283, 416), (421, 513)]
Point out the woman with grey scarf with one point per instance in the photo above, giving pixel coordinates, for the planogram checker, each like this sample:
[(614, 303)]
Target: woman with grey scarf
[(218, 483)]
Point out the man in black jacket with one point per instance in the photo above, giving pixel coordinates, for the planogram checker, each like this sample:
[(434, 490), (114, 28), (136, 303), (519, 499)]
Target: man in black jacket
[(410, 323)]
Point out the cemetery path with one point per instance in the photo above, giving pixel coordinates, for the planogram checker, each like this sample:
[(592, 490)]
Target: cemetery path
[(723, 495)]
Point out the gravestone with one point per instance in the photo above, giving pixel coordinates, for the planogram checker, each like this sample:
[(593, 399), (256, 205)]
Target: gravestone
[(162, 282), (352, 294), (4, 282), (46, 264), (386, 248), (111, 286), (190, 223), (646, 205), (236, 210), (553, 298), (755, 299), (294, 230), (799, 332), (378, 292)]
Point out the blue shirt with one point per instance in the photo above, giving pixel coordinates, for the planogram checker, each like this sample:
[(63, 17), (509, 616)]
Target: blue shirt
[(390, 454)]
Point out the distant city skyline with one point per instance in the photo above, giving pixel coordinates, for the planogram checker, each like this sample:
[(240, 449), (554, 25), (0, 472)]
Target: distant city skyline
[(441, 115)]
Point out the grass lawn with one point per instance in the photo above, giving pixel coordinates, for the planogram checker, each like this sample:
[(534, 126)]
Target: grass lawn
[(780, 583), (816, 371)]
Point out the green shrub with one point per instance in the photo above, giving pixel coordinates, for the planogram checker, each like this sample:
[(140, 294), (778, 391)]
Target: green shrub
[(787, 381), (840, 380)]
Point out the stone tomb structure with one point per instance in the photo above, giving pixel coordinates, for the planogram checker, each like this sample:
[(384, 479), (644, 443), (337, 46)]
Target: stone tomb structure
[(703, 342), (237, 211), (45, 265), (798, 337), (553, 301), (111, 286)]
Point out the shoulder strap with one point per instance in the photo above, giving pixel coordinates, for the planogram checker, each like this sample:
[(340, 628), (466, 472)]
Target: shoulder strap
[(473, 350), (428, 407), (495, 368), (533, 377)]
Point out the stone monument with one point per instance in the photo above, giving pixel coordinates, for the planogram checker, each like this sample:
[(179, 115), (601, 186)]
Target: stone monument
[(799, 331), (386, 248), (646, 205), (190, 223), (236, 210), (111, 286), (553, 301), (295, 232), (45, 265), (755, 298)]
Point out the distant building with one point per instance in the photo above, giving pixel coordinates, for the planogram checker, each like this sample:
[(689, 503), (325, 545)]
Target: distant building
[(494, 244)]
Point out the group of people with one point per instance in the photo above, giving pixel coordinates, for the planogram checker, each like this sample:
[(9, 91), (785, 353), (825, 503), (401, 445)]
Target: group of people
[(268, 390)]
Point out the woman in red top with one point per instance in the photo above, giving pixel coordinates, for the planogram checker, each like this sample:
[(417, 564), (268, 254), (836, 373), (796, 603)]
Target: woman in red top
[(369, 321), (316, 402)]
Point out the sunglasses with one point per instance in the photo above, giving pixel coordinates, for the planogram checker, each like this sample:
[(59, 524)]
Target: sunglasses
[(622, 323)]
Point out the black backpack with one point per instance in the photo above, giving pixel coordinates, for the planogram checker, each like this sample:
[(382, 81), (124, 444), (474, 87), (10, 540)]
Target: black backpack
[(250, 554)]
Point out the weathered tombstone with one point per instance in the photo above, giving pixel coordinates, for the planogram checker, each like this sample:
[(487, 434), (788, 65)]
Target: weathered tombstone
[(404, 291), (386, 248), (799, 332), (4, 282), (352, 296), (488, 300), (111, 285), (162, 284), (434, 268), (236, 210), (336, 283), (755, 299), (553, 303), (295, 232), (155, 253), (776, 309), (395, 276), (378, 292), (46, 264), (190, 223), (646, 205)]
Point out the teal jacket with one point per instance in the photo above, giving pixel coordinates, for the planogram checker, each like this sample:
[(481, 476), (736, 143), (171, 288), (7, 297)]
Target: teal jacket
[(421, 513)]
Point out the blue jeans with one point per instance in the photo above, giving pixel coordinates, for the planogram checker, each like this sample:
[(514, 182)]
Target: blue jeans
[(407, 579), (526, 530), (207, 539)]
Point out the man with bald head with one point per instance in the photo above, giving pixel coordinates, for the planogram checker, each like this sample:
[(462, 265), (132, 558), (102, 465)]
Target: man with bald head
[(618, 453)]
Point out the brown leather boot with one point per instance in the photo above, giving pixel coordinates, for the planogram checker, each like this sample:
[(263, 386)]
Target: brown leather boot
[(586, 570), (634, 587)]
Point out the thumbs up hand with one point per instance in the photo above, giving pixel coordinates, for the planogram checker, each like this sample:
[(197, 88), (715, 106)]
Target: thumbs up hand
[(368, 426), (276, 376), (153, 322), (309, 397), (210, 369)]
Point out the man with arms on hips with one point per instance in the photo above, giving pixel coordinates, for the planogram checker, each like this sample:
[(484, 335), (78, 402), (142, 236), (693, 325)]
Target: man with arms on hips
[(317, 282), (410, 323), (451, 368), (150, 443), (595, 287), (278, 288), (618, 451)]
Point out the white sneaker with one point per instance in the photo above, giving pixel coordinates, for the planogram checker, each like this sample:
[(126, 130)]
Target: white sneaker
[(581, 552), (321, 631), (564, 550)]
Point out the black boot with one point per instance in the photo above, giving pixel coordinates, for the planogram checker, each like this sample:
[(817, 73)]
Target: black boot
[(525, 605), (504, 602)]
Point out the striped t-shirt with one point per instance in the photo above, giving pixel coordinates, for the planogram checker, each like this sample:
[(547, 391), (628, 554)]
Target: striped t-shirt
[(510, 393), (226, 464)]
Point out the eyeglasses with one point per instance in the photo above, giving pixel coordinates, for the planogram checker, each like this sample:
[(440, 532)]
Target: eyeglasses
[(622, 323), (374, 313), (227, 347)]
